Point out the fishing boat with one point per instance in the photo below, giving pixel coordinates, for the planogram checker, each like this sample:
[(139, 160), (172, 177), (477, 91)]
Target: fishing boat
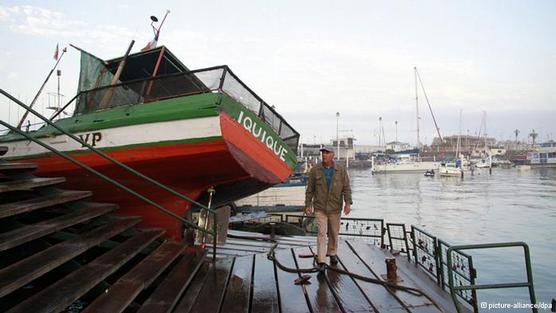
[(188, 129)]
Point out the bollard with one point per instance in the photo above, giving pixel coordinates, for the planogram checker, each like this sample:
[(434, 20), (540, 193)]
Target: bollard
[(391, 269), (272, 230)]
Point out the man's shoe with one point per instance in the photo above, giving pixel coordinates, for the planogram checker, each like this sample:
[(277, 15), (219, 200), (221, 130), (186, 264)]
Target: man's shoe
[(333, 260), (321, 267)]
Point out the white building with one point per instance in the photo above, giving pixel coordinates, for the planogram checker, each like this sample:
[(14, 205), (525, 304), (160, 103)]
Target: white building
[(397, 146)]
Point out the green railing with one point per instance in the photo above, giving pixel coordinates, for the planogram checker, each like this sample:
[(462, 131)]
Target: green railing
[(213, 233), (473, 287)]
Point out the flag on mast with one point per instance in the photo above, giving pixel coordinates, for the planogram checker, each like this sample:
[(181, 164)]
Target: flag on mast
[(152, 44), (56, 53)]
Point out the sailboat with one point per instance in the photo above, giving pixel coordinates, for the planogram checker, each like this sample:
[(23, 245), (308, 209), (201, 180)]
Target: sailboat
[(454, 168), (410, 162)]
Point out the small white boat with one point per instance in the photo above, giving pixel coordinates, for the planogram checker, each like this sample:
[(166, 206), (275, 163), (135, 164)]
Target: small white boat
[(450, 169), (404, 164)]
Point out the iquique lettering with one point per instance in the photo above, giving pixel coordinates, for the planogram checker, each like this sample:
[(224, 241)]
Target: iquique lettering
[(257, 130)]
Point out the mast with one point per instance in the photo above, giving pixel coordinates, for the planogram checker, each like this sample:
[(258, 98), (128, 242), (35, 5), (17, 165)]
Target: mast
[(429, 104), (40, 89), (459, 136), (417, 108)]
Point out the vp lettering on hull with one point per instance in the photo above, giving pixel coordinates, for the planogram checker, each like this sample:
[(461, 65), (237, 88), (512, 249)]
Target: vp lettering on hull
[(91, 138)]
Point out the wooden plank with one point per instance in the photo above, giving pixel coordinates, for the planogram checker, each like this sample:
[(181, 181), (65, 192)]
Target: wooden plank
[(380, 297), (301, 240), (188, 298), (30, 232), (122, 293), (318, 292), (30, 183), (292, 296), (24, 271), (348, 294), (211, 294), (167, 294), (242, 248), (65, 291), (251, 243), (7, 166), (238, 291), (265, 293), (9, 209), (375, 257)]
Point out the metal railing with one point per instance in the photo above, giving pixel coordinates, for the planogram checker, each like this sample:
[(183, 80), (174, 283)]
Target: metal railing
[(207, 80), (349, 226), (464, 270), (28, 136), (473, 287), (397, 238)]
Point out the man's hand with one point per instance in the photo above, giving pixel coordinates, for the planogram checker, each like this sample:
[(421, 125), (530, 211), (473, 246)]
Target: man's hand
[(347, 209), (308, 210)]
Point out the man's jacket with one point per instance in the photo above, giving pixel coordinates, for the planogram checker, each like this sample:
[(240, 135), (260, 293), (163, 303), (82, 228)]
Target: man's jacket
[(319, 197)]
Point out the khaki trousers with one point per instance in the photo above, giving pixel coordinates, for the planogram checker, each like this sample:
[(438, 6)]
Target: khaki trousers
[(328, 225)]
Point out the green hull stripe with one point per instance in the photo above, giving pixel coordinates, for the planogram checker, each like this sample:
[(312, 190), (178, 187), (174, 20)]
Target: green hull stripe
[(181, 108), (187, 107), (159, 143)]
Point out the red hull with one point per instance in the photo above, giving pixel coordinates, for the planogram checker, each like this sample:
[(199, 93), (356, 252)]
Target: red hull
[(237, 165)]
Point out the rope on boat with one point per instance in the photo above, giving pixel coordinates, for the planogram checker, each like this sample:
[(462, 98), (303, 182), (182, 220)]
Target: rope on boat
[(271, 256)]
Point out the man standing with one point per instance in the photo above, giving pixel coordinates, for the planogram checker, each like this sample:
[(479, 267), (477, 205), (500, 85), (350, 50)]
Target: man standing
[(327, 190)]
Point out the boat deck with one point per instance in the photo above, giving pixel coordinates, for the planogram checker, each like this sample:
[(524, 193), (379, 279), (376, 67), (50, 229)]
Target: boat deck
[(243, 279)]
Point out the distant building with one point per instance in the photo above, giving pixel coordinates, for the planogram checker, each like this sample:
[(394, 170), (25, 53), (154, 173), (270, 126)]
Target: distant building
[(397, 146), (347, 148), (468, 144)]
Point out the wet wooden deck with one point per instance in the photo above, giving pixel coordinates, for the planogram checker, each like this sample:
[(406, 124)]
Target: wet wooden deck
[(245, 280)]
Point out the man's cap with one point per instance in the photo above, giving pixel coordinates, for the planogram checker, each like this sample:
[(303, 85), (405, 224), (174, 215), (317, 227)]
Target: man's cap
[(327, 148)]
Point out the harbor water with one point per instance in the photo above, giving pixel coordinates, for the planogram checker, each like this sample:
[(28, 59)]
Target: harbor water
[(507, 206)]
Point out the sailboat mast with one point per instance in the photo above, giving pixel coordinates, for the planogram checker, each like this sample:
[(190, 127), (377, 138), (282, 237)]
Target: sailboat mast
[(417, 108), (459, 136)]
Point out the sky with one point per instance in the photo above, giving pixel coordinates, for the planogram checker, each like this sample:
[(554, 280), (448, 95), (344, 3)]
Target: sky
[(311, 59)]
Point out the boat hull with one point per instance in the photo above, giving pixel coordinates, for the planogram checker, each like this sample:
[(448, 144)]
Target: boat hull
[(221, 153), (410, 167)]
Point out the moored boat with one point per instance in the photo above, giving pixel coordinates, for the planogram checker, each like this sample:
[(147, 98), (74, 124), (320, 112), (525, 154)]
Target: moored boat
[(190, 130), (545, 156)]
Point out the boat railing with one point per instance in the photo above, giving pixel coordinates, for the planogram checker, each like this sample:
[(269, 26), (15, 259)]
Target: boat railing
[(29, 136), (208, 80)]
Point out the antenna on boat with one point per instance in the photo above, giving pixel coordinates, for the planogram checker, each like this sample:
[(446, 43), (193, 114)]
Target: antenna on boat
[(156, 31), (58, 59), (57, 107)]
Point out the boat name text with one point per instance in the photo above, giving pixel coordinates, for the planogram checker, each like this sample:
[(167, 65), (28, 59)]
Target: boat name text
[(91, 138), (261, 134)]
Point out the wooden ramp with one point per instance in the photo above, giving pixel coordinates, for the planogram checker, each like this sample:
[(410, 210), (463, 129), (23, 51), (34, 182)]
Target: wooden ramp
[(253, 283), (60, 252)]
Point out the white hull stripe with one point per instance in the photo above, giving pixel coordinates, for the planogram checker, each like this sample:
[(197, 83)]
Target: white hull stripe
[(188, 129)]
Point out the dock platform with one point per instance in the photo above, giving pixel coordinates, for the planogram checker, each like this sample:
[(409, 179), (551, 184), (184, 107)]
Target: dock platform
[(243, 279)]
